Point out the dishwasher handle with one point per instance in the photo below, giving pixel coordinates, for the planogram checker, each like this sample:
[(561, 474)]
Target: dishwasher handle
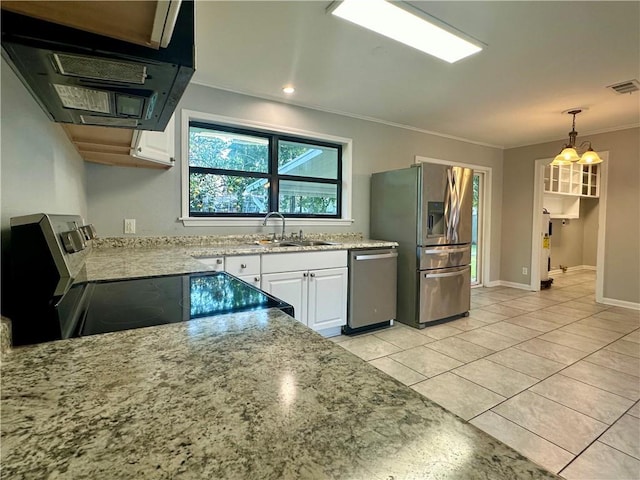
[(377, 256)]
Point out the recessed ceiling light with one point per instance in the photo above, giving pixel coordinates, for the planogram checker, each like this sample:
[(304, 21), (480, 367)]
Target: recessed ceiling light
[(288, 90), (408, 25)]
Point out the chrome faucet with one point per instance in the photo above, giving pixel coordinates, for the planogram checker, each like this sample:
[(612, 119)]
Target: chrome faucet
[(278, 214)]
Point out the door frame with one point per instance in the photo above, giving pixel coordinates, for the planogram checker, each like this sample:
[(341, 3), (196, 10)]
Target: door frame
[(536, 228), (484, 227)]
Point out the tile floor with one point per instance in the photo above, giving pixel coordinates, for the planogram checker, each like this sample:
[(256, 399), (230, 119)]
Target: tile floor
[(552, 373)]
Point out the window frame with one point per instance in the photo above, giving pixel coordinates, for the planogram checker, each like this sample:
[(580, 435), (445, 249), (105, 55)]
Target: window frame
[(280, 132)]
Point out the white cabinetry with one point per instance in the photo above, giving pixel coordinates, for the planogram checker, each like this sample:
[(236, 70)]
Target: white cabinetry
[(216, 263), (156, 147), (315, 283), (245, 267), (565, 184)]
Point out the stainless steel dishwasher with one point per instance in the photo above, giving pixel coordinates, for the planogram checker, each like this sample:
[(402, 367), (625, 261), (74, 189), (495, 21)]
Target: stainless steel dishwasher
[(372, 289)]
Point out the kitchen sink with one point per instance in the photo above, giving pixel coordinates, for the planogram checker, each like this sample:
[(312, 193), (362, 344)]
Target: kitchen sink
[(293, 243), (312, 243)]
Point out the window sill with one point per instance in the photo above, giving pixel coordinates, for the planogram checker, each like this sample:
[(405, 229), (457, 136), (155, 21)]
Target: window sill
[(257, 222)]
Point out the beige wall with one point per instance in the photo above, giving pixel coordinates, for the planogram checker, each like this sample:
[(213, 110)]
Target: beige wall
[(153, 197), (589, 213), (622, 231), (40, 169)]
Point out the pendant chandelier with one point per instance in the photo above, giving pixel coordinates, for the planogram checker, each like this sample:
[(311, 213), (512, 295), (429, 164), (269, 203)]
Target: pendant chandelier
[(569, 155)]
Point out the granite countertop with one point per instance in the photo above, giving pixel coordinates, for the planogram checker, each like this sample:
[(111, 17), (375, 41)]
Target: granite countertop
[(120, 258), (252, 395)]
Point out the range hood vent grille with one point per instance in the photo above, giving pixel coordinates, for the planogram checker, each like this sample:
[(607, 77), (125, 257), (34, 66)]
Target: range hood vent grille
[(629, 86), (109, 121), (99, 69)]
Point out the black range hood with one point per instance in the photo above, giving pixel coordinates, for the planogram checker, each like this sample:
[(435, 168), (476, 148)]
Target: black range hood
[(87, 79)]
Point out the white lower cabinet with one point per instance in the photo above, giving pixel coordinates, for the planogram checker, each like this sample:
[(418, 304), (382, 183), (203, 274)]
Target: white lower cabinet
[(318, 297)]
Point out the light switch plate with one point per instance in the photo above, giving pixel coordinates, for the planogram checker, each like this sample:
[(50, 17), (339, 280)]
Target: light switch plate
[(130, 225)]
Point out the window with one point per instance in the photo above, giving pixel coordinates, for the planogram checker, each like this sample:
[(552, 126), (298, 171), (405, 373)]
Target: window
[(233, 172)]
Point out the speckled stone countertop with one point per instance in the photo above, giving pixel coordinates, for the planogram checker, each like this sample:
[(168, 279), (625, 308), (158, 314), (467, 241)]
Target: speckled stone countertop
[(117, 258), (252, 395)]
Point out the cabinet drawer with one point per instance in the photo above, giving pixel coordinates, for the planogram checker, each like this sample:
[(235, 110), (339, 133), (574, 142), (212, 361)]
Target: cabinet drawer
[(286, 262), (243, 265), (216, 263)]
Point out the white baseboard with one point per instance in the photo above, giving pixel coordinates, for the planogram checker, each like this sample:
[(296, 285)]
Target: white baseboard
[(620, 303), (573, 269), (504, 283)]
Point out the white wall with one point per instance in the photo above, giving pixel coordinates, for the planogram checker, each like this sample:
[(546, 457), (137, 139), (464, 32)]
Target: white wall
[(39, 168), (153, 197)]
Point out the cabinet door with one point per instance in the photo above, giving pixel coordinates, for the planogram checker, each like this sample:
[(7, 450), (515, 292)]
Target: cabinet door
[(216, 263), (292, 287), (157, 147), (327, 298)]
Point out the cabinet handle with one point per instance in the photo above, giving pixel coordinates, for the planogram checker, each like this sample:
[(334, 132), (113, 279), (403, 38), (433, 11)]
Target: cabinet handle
[(139, 149), (219, 261), (312, 274), (305, 274), (243, 265), (256, 279)]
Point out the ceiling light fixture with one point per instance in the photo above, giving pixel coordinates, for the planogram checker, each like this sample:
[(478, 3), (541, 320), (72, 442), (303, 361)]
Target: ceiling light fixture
[(407, 24), (568, 155), (288, 90)]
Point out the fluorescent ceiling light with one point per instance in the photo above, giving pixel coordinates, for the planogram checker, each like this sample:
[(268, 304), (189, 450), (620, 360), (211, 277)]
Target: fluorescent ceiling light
[(408, 25)]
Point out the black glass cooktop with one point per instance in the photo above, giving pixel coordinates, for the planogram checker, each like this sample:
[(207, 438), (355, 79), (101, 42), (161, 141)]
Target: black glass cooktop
[(125, 304)]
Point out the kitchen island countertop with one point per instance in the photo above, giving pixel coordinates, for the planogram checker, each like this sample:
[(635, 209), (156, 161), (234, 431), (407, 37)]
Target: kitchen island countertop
[(252, 395)]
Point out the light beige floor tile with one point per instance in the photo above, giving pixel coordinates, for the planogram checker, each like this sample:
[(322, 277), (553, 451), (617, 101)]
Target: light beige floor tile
[(585, 307), (550, 316), (460, 349), (617, 314), (584, 344), (605, 378), (616, 361), (527, 363), (483, 300), (533, 323), (497, 378), (339, 338), (624, 435), (466, 323), (425, 361), (404, 337), (591, 332), (439, 332), (633, 336), (398, 371), (488, 339), (635, 410), (620, 326), (584, 398), (534, 299), (567, 312), (486, 316), (460, 396), (512, 331), (499, 296), (369, 347), (625, 346), (520, 304), (552, 351), (503, 309), (601, 462), (556, 423), (536, 448), (514, 292), (625, 312)]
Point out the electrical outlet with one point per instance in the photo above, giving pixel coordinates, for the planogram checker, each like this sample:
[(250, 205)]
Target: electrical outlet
[(525, 271), (129, 225)]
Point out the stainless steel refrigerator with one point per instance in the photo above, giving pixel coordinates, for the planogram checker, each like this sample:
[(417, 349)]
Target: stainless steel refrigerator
[(426, 208)]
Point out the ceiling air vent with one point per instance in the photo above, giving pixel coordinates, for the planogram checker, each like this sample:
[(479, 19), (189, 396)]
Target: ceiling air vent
[(629, 86)]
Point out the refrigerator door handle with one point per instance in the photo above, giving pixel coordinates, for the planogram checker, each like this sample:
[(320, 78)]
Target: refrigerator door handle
[(446, 251), (443, 275)]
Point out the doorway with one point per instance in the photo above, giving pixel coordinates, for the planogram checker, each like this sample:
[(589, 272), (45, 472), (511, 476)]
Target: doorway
[(537, 235), (476, 228)]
